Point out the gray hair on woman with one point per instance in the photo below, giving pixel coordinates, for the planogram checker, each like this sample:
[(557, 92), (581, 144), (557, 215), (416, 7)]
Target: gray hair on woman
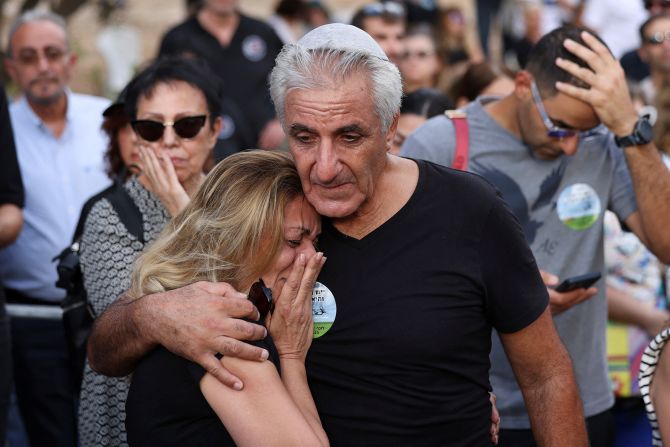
[(328, 56)]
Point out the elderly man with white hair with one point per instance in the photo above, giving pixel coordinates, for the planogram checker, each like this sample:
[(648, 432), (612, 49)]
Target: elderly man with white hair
[(423, 262)]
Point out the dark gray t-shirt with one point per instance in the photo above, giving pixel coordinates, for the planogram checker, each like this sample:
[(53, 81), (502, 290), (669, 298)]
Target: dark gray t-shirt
[(560, 205)]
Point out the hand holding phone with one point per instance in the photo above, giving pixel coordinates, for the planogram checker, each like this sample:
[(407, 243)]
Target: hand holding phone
[(578, 282)]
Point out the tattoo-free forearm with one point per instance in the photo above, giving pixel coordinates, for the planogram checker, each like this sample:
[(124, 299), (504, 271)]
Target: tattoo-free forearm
[(625, 309), (555, 410), (651, 180), (294, 377), (543, 370), (116, 343)]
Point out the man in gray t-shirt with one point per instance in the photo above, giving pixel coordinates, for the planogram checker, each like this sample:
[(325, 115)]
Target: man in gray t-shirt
[(547, 147)]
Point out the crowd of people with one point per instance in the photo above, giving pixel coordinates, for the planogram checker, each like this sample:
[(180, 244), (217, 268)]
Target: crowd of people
[(294, 231)]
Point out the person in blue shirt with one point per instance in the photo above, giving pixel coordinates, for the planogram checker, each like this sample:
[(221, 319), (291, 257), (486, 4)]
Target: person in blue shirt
[(60, 147)]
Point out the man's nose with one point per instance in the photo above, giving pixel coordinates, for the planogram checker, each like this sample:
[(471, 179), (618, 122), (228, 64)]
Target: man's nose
[(42, 62), (326, 162), (569, 144)]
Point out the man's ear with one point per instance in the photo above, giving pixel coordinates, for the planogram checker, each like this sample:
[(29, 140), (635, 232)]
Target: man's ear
[(522, 82), (10, 68), (392, 130), (72, 60)]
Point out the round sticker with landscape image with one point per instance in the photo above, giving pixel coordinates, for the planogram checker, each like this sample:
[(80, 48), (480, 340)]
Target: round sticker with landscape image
[(578, 206), (324, 309)]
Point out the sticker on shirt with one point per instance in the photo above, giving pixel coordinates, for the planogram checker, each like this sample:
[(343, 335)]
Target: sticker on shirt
[(227, 127), (254, 48), (324, 309), (578, 206)]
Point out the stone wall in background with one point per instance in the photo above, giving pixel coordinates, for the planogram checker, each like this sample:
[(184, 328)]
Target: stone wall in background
[(137, 29)]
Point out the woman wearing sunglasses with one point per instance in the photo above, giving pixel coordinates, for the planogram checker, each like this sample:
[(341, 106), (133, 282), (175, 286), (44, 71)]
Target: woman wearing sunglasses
[(170, 106), (249, 225)]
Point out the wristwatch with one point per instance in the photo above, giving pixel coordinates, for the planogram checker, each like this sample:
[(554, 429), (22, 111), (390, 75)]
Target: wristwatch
[(642, 134)]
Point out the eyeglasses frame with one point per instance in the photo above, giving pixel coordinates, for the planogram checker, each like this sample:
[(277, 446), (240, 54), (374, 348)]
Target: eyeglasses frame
[(554, 131), (653, 39)]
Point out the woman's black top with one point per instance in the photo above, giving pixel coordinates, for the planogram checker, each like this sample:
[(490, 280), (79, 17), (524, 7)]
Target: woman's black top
[(166, 407)]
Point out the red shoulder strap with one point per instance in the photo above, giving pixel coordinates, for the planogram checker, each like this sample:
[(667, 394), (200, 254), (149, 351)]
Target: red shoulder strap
[(460, 120)]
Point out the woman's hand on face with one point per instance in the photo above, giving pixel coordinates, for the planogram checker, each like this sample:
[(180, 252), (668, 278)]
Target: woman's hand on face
[(163, 181), (290, 324)]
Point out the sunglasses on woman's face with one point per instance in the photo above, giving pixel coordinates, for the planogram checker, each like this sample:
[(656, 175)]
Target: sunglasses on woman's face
[(261, 297), (187, 127)]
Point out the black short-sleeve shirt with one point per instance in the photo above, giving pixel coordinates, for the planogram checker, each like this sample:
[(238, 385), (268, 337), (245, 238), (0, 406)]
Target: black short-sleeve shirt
[(406, 360)]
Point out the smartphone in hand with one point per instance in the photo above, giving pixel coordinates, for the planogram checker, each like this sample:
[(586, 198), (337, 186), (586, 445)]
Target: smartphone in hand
[(578, 282)]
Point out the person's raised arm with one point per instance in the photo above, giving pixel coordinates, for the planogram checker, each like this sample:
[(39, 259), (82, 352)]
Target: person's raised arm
[(195, 322), (548, 385), (292, 329), (274, 410), (608, 95)]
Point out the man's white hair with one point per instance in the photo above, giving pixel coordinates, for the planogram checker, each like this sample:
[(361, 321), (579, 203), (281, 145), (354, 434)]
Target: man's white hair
[(328, 56)]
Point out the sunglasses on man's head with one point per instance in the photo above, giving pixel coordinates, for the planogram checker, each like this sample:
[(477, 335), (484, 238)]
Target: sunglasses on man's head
[(657, 38), (388, 9), (261, 297), (554, 131), (187, 127)]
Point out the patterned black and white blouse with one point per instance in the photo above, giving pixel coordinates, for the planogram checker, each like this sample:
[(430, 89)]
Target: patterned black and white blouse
[(647, 369), (107, 254)]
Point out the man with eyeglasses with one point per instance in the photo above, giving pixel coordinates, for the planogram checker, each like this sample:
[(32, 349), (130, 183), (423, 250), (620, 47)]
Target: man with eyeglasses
[(60, 150), (563, 147), (386, 23), (633, 64), (655, 51)]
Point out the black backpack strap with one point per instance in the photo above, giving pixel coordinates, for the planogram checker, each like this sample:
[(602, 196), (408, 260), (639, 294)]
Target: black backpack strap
[(87, 209), (128, 212)]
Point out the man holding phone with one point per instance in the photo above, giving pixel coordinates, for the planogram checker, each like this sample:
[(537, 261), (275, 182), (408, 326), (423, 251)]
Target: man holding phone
[(563, 147)]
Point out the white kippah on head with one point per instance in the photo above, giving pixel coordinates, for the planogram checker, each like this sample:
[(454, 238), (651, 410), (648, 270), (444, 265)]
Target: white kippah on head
[(339, 36)]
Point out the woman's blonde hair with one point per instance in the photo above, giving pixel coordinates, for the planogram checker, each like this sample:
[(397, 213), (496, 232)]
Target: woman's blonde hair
[(230, 231)]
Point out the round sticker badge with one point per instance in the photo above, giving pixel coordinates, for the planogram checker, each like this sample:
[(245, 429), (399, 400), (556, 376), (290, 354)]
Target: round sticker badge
[(324, 309), (254, 48), (578, 206)]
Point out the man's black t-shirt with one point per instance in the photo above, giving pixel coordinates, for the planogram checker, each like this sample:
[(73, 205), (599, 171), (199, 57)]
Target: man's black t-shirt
[(165, 406), (244, 65), (406, 360)]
